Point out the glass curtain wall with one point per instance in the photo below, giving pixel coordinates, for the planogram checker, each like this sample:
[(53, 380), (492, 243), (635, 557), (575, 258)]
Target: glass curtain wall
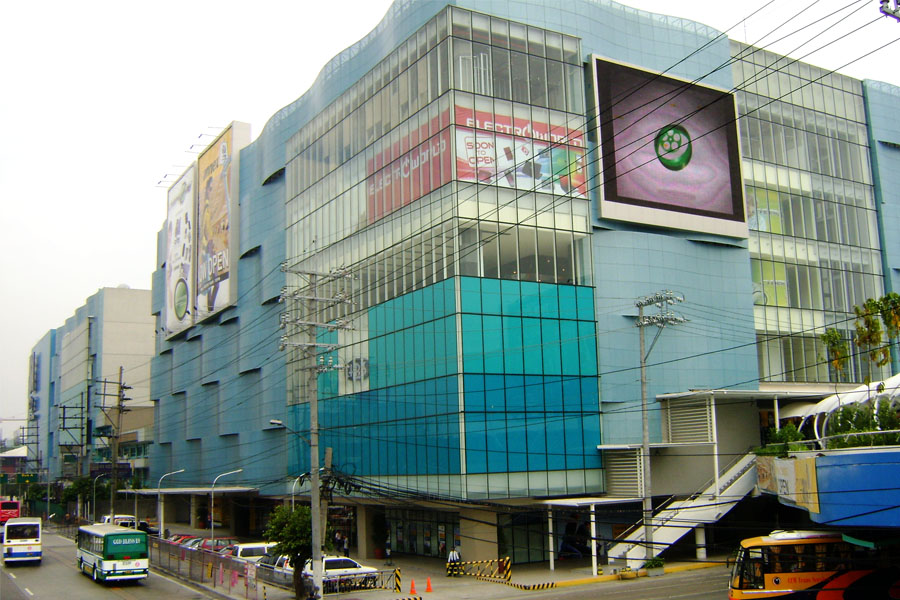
[(814, 246), (461, 153)]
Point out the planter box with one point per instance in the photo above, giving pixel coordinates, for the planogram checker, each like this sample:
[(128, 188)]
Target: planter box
[(656, 571)]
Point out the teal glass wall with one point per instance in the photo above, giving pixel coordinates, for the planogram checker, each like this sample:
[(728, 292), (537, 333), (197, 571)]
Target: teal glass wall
[(502, 382)]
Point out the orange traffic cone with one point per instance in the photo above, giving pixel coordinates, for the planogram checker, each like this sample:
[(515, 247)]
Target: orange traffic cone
[(428, 585), (412, 587)]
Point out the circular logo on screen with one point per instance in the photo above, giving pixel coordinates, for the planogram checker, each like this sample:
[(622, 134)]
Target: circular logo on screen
[(673, 147), (180, 297)]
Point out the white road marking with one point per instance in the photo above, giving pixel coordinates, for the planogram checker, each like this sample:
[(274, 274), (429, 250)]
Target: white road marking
[(30, 593)]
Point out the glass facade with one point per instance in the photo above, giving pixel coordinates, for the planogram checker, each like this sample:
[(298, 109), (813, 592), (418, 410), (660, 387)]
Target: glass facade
[(815, 252), (449, 182)]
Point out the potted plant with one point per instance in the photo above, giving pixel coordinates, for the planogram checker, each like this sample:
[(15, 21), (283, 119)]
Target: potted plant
[(655, 566)]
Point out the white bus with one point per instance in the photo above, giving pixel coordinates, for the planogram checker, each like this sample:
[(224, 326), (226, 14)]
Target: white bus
[(108, 552), (22, 539)]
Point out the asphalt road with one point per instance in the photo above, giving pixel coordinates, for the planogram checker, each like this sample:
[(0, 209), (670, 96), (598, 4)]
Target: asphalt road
[(57, 578)]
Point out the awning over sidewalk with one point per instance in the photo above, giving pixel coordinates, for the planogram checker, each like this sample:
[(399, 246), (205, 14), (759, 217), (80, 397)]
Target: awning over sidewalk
[(189, 491)]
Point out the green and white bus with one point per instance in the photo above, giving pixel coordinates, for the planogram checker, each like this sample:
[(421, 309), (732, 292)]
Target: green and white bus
[(108, 552)]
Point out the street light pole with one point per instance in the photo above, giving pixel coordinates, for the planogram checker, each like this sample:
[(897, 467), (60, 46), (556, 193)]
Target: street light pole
[(293, 487), (212, 520), (94, 496), (315, 504), (160, 511)]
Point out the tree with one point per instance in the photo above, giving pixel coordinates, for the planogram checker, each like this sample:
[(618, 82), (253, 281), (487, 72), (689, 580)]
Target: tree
[(292, 532), (877, 327)]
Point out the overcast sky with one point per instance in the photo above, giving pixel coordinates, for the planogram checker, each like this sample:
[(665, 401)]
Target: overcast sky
[(101, 100)]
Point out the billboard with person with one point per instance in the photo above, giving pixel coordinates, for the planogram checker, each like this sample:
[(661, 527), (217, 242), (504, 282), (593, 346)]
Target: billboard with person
[(180, 219)]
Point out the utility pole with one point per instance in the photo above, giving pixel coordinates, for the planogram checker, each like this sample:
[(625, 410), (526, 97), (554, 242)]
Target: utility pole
[(310, 352), (661, 319), (114, 443)]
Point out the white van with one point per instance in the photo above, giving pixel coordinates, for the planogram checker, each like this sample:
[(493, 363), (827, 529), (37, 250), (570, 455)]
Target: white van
[(251, 552), (117, 519)]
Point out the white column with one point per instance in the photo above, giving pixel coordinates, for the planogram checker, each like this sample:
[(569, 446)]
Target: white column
[(700, 541)]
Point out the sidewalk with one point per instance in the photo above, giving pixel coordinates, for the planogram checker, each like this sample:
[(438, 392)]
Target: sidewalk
[(419, 571)]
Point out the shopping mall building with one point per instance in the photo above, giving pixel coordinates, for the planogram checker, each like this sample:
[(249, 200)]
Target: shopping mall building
[(463, 241)]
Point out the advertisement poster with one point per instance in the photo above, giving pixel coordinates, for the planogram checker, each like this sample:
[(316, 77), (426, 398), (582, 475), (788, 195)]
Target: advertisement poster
[(214, 224), (415, 173), (519, 153), (180, 253)]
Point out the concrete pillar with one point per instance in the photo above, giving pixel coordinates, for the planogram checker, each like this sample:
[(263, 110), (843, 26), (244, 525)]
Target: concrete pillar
[(700, 541), (195, 506), (478, 533), (364, 547)]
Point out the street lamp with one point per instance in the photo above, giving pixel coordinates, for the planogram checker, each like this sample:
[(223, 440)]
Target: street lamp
[(94, 497), (212, 521), (315, 506), (293, 487), (160, 513)]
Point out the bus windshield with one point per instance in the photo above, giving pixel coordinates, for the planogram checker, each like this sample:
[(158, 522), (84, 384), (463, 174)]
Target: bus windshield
[(22, 531)]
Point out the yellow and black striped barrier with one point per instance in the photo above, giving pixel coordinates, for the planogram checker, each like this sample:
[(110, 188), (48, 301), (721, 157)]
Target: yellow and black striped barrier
[(397, 581), (495, 568)]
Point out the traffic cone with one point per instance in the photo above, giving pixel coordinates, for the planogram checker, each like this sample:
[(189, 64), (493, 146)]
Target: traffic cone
[(428, 585), (412, 587)]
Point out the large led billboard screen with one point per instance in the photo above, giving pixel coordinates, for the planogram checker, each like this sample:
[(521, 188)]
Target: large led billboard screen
[(669, 151), (180, 219)]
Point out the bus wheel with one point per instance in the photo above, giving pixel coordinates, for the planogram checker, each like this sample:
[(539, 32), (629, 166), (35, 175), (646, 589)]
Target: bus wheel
[(94, 572)]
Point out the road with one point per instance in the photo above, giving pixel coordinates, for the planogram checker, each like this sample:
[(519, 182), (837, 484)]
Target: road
[(702, 584), (57, 577)]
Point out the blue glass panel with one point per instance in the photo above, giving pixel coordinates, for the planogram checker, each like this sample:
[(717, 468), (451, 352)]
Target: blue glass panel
[(473, 344), (531, 344), (568, 308), (553, 394), (450, 296), (536, 432), (568, 332), (585, 301), (437, 298), (534, 393), (426, 301), (450, 362), (490, 297), (511, 296), (515, 393), (513, 358), (429, 353), (474, 392), (575, 449), (496, 442), (420, 356), (470, 294), (587, 344), (552, 352), (390, 309), (549, 301), (417, 299), (516, 441), (556, 451), (495, 393), (476, 443), (531, 299), (492, 345)]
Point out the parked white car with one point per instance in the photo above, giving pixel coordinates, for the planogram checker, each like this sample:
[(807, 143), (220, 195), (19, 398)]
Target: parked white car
[(343, 574)]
